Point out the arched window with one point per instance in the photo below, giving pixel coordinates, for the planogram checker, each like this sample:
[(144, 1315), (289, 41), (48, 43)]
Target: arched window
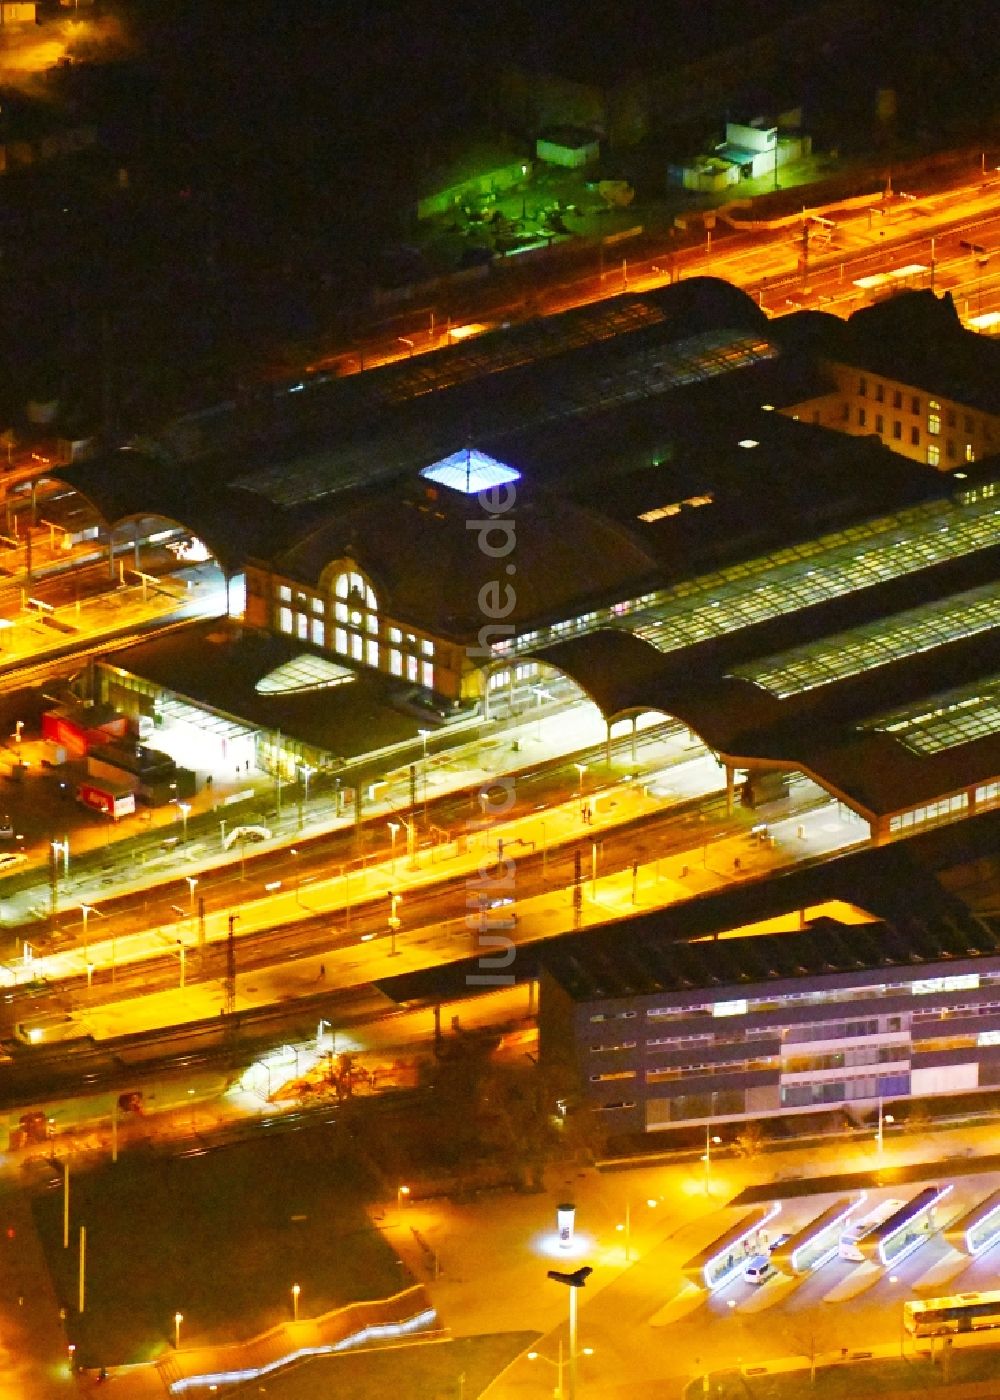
[(355, 611)]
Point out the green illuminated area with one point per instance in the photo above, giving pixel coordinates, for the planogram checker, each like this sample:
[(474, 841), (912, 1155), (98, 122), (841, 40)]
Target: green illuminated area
[(954, 717), (845, 654)]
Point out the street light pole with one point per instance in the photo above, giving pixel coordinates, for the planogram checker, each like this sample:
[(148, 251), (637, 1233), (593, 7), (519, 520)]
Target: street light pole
[(295, 1302), (710, 1138), (572, 1343), (178, 1319), (393, 833)]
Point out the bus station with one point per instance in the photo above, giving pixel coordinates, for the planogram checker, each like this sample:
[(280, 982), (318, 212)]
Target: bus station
[(722, 1260), (818, 1242)]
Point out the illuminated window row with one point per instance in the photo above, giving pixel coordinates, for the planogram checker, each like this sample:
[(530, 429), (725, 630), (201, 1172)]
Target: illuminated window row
[(955, 717), (944, 810), (845, 654), (787, 580)]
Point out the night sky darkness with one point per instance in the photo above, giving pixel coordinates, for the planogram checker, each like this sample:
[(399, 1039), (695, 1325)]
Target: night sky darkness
[(275, 144)]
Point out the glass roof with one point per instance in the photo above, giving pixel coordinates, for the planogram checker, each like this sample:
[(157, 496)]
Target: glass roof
[(944, 721), (844, 654), (304, 672), (601, 379), (470, 471), (774, 585)]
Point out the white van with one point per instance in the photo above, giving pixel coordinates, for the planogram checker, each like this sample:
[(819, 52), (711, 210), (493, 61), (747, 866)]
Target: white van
[(758, 1269)]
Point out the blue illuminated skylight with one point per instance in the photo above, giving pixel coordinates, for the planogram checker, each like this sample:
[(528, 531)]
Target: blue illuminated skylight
[(470, 471)]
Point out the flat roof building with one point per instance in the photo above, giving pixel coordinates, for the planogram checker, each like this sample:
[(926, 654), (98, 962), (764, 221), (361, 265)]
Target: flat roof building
[(829, 1016)]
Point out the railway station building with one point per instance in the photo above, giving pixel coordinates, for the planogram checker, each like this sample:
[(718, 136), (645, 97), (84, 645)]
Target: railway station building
[(655, 505)]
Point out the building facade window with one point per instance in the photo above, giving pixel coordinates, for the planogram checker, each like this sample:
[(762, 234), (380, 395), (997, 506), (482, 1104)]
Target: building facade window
[(933, 454), (879, 393), (933, 812), (879, 423), (862, 386), (355, 609), (915, 436), (897, 430), (897, 398), (933, 418), (915, 404), (862, 417)]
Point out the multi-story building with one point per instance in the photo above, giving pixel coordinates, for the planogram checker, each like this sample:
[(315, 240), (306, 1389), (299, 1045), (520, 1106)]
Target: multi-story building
[(907, 372), (834, 1016)]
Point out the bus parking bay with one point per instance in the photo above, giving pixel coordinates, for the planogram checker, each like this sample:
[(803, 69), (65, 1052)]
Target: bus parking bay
[(832, 1248)]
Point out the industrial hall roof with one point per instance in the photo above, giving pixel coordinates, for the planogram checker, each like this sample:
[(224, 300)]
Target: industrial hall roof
[(869, 663), (652, 410)]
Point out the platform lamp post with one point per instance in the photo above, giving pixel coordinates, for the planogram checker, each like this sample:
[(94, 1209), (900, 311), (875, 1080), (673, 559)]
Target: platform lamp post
[(560, 1390), (296, 1290), (178, 1319), (394, 921), (184, 808), (305, 772), (425, 735), (581, 768), (192, 884), (393, 833), (86, 910)]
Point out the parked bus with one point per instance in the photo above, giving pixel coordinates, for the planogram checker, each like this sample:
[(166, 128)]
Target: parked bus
[(965, 1312)]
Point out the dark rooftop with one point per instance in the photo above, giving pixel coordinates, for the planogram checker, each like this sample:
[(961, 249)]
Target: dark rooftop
[(218, 662), (636, 961), (914, 337)]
